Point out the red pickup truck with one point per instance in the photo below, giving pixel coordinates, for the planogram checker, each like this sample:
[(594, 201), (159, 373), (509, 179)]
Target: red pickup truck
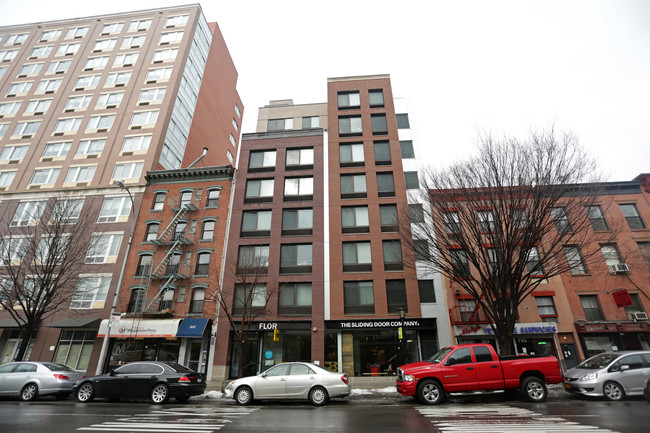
[(471, 368)]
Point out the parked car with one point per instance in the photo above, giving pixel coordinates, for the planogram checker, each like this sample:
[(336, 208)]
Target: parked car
[(646, 390), (30, 379), (292, 380), (612, 374), (472, 368), (157, 381)]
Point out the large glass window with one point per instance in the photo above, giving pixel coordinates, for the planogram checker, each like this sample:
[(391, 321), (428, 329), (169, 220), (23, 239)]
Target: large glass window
[(359, 297), (376, 97), (402, 121), (28, 213), (249, 298), (104, 248), (354, 219), (379, 125), (631, 214), (350, 125), (382, 153), (91, 292), (561, 220), (597, 218), (113, 208), (74, 348), (297, 221), (574, 259), (396, 296), (353, 186), (385, 184), (351, 154), (253, 259), (357, 257), (259, 190), (300, 158), (256, 223), (349, 100), (392, 255), (295, 299), (299, 188), (262, 160), (296, 259), (591, 307), (279, 124), (388, 217), (38, 107)]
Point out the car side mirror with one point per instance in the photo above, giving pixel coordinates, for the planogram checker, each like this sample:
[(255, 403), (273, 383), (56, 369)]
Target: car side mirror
[(625, 367), (111, 373), (263, 375)]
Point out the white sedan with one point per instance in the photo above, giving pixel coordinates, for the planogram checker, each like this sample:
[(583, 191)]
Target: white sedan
[(292, 380)]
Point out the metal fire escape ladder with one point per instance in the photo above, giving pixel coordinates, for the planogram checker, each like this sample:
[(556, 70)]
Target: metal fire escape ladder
[(476, 308), (172, 224)]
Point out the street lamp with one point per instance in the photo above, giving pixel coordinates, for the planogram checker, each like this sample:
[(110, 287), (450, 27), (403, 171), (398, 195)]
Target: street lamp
[(102, 353), (402, 314)]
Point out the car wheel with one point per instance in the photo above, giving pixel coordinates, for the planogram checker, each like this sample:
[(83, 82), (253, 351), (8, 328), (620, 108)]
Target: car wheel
[(160, 394), (533, 389), (182, 398), (244, 395), (431, 392), (29, 392), (613, 391), (86, 392), (318, 396)]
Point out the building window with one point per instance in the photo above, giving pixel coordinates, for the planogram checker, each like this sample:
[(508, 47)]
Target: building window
[(202, 263), (561, 220), (392, 255), (402, 121), (151, 96), (129, 170), (353, 186), (96, 62), (299, 188), (133, 41), (164, 55), (350, 125), (159, 201), (427, 291), (546, 308), (610, 254), (295, 299), (296, 222), (100, 122), (354, 219), (107, 100), (50, 35), (279, 124), (310, 122), (118, 79), (166, 300), (16, 39), (13, 153), (40, 52), (152, 232), (351, 154), (26, 129), (113, 208), (104, 248), (262, 160), (10, 108), (259, 190), (38, 107), (296, 259), (486, 221), (396, 296), (13, 250), (74, 348), (154, 75), (467, 308), (144, 266), (300, 158), (171, 37), (76, 32), (67, 49), (574, 259), (416, 213), (179, 20), (376, 97), (388, 217), (385, 185), (411, 180), (78, 102), (421, 249), (636, 307), (6, 178), (80, 174), (137, 143), (382, 153), (59, 67), (144, 118), (595, 215), (591, 307), (533, 264), (136, 302), (67, 211), (212, 199), (44, 176), (112, 28), (349, 100), (179, 230), (87, 82), (207, 232), (359, 297), (173, 265), (253, 259), (357, 257), (28, 213), (48, 86), (256, 223), (460, 264), (19, 88), (632, 216), (65, 126), (249, 298), (379, 125), (406, 148)]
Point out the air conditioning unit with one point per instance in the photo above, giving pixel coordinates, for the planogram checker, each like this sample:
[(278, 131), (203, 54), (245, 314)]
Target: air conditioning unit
[(640, 316), (620, 268)]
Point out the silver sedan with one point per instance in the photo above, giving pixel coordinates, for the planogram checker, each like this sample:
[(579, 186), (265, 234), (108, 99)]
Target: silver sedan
[(30, 379), (292, 380), (613, 375)]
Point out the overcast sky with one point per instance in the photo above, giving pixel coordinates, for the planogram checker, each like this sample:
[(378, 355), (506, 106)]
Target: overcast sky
[(464, 66)]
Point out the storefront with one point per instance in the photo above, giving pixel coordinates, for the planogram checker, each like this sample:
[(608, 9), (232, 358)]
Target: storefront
[(596, 338), (185, 341), (529, 338), (270, 343), (377, 347)]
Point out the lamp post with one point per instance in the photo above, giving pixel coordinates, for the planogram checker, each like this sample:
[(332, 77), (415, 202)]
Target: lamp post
[(402, 314), (102, 353)]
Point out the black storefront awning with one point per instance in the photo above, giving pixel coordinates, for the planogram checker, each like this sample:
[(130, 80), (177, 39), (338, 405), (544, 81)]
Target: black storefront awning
[(76, 322)]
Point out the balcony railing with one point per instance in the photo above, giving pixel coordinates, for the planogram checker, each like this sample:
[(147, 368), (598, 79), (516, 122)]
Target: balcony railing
[(465, 317)]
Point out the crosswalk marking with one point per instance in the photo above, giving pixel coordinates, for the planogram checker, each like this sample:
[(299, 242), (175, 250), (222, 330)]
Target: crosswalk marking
[(488, 419), (185, 420)]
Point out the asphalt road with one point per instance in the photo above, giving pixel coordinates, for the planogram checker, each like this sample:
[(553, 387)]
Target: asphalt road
[(372, 414)]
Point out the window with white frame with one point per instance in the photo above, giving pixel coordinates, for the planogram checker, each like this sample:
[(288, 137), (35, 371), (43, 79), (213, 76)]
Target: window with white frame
[(49, 86), (118, 78), (41, 52), (299, 188), (76, 32), (136, 143), (127, 59), (3, 70), (6, 177), (139, 25), (91, 289), (30, 69), (113, 208), (13, 249), (81, 173), (91, 147), (133, 41), (533, 263), (38, 106), (151, 95), (49, 35), (19, 88), (96, 62), (51, 249), (159, 74), (143, 118), (44, 176), (233, 141), (59, 66), (67, 211), (212, 199), (163, 55), (104, 248), (13, 153), (16, 39), (7, 55), (87, 82), (109, 99), (4, 127), (28, 213), (68, 49), (26, 128), (53, 150), (178, 20), (100, 122), (575, 261), (9, 108), (104, 45), (610, 254), (546, 308), (129, 170), (171, 37), (112, 28), (70, 125)]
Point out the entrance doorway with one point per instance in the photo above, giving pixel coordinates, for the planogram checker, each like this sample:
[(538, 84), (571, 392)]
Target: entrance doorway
[(9, 352)]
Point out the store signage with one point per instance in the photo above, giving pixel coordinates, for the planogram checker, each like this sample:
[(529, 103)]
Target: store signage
[(622, 298), (380, 324), (520, 328)]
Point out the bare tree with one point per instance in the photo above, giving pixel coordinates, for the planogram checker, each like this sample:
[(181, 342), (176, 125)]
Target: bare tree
[(509, 217), (42, 250), (246, 296)]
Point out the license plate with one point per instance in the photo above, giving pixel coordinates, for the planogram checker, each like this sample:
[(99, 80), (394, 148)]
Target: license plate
[(567, 386)]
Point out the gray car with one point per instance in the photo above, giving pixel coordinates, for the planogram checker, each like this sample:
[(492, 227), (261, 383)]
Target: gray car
[(292, 380), (613, 375), (30, 379)]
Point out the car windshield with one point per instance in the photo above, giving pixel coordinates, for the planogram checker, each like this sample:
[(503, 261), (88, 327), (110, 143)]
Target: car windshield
[(599, 361), (435, 359), (57, 367), (179, 368)]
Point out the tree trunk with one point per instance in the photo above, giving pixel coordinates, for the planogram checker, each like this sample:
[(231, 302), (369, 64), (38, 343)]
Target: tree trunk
[(504, 340), (240, 364)]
